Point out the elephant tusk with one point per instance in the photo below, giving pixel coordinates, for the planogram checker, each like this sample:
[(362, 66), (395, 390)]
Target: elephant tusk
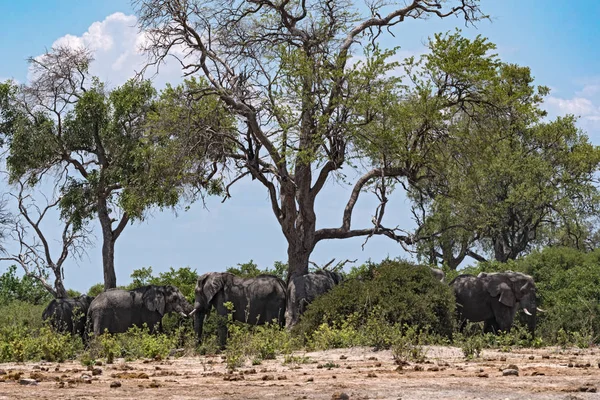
[(526, 311), (540, 310), (184, 315), (192, 313)]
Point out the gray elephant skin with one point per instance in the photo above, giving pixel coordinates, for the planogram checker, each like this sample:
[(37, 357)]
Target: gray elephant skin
[(118, 310), (68, 314), (438, 274), (303, 290), (255, 300), (495, 298)]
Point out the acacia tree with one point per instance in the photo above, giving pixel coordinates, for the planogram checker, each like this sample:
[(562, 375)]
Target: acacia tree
[(304, 107), (65, 122)]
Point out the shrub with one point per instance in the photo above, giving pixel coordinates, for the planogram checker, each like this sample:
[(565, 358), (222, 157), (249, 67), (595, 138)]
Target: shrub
[(381, 297)]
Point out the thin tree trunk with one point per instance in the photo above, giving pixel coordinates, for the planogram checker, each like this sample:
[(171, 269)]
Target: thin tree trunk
[(108, 245)]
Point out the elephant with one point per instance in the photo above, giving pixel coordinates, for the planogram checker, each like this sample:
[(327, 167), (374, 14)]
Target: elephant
[(495, 298), (438, 274), (255, 300), (68, 314), (117, 310), (303, 290)]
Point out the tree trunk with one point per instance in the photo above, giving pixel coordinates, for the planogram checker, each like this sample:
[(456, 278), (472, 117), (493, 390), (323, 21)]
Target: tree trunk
[(59, 287), (108, 245), (298, 257)]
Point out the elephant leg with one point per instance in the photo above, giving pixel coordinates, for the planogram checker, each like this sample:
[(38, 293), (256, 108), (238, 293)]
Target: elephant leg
[(490, 326), (222, 331)]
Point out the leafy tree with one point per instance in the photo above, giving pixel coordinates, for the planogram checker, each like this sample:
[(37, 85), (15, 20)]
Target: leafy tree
[(66, 122), (510, 180), (304, 107)]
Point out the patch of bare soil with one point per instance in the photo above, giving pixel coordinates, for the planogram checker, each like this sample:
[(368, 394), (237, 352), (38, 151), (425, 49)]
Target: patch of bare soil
[(357, 373)]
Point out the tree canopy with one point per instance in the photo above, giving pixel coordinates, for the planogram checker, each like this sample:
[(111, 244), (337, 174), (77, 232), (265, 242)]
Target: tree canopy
[(93, 141)]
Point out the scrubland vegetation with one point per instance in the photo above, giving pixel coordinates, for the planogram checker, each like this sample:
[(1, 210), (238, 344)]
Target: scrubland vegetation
[(391, 305)]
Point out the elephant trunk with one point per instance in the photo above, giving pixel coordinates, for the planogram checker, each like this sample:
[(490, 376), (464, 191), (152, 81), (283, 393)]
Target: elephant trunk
[(198, 324), (530, 309)]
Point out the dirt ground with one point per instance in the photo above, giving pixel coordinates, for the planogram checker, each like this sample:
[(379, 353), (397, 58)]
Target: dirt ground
[(357, 373)]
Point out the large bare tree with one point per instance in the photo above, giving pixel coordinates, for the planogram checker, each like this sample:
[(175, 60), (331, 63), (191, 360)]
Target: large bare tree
[(305, 107), (35, 245)]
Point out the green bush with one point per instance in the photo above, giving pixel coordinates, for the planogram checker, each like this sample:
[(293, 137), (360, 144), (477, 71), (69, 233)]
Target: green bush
[(134, 344), (381, 297), (24, 337)]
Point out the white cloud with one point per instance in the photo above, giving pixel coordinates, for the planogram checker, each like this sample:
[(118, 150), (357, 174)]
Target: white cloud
[(116, 43), (576, 105), (585, 104)]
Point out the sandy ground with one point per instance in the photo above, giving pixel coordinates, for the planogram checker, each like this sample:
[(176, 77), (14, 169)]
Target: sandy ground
[(357, 373)]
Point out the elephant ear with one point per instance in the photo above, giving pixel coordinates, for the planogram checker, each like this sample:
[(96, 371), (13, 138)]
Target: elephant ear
[(212, 285), (507, 297), (154, 300)]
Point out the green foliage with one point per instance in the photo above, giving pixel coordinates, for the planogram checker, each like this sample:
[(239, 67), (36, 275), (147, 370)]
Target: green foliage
[(515, 180), (96, 289), (134, 344), (183, 278), (382, 297), (25, 288), (23, 337), (250, 270)]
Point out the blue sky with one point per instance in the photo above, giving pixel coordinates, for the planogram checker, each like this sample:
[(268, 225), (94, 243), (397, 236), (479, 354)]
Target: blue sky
[(558, 40)]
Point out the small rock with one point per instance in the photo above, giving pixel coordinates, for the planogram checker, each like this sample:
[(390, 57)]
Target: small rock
[(434, 368), (340, 396), (350, 367), (537, 373), (37, 367), (588, 387), (154, 384), (25, 381), (418, 368), (546, 356), (483, 375), (96, 371), (176, 352), (268, 378), (250, 371), (311, 379), (99, 363), (570, 365), (512, 366), (281, 378), (60, 385), (372, 358), (3, 372), (115, 384), (510, 372), (502, 358), (343, 357), (371, 375), (378, 364), (531, 357)]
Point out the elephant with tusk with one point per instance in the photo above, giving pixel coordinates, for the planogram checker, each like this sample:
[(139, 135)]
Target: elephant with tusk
[(255, 300), (495, 298)]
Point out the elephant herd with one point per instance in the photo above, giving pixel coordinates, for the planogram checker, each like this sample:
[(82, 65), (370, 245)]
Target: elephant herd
[(493, 298)]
